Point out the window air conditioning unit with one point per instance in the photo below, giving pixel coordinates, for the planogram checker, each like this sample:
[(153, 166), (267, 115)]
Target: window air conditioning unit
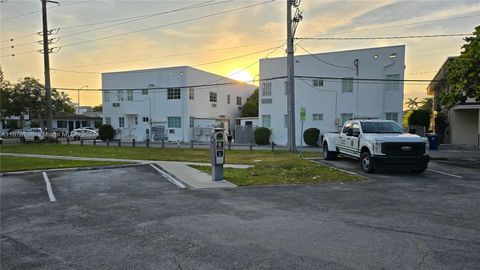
[(116, 104), (171, 131)]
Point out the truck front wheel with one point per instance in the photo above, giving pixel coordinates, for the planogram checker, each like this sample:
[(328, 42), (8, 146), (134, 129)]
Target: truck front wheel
[(366, 163), (328, 155)]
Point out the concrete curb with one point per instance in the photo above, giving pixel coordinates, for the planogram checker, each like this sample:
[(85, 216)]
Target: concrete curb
[(90, 168)]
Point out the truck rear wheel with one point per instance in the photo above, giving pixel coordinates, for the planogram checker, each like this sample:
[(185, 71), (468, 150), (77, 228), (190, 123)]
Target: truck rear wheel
[(328, 155), (420, 169), (366, 163)]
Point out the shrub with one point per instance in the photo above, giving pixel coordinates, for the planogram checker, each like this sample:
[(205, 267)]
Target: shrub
[(310, 136), (106, 132), (420, 118), (262, 136)]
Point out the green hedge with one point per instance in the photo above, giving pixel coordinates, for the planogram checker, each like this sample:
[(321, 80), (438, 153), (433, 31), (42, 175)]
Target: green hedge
[(106, 132), (262, 136), (311, 135)]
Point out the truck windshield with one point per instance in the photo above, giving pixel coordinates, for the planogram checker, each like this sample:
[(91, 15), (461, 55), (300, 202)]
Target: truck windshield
[(381, 127)]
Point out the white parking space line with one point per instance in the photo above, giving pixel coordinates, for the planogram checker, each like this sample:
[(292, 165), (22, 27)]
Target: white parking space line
[(49, 187), (169, 178), (449, 174)]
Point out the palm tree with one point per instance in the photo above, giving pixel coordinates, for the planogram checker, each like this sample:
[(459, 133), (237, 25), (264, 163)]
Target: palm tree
[(426, 104), (412, 103)]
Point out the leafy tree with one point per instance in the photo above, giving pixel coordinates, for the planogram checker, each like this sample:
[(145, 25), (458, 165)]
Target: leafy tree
[(463, 73), (5, 94), (420, 118), (28, 96), (250, 108), (412, 103), (98, 108)]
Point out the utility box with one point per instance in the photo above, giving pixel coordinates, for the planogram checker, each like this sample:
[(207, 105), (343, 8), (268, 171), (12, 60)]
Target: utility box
[(217, 149)]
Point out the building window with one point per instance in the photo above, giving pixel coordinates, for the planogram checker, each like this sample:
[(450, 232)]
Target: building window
[(393, 82), (145, 119), (266, 89), (317, 83), (347, 85), (267, 101), (391, 116), (285, 120), (116, 104), (317, 116), (136, 120), (129, 95), (191, 93), (61, 124), (239, 101), (121, 121), (120, 95), (144, 92), (345, 117), (213, 97), (174, 122), (173, 93), (192, 121), (266, 120), (106, 96), (108, 120), (228, 99)]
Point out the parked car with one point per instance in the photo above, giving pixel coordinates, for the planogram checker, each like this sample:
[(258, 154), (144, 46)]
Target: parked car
[(83, 134), (91, 128), (1, 140), (32, 134), (378, 142)]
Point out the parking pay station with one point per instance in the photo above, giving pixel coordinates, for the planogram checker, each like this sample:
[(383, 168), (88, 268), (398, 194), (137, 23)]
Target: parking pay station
[(217, 147)]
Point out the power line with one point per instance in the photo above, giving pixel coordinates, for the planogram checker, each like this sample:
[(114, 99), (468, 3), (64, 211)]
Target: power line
[(438, 19), (156, 27), (364, 80), (388, 37), (197, 65), (323, 61), (137, 18), (38, 11)]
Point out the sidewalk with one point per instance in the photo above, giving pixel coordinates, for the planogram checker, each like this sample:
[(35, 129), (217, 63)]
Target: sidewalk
[(179, 170), (455, 152)]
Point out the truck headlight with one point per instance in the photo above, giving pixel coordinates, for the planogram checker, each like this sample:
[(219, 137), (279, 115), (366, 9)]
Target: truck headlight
[(377, 148)]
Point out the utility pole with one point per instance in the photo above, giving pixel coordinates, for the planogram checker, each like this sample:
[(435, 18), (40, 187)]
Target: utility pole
[(46, 63), (291, 28)]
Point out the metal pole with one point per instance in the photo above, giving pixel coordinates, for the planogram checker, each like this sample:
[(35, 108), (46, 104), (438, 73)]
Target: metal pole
[(46, 63), (290, 81)]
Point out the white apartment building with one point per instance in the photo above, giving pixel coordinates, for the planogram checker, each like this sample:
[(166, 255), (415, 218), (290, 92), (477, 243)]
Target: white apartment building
[(333, 88), (174, 103)]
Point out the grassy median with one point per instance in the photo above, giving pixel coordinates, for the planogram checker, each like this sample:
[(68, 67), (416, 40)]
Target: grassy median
[(11, 164), (270, 168), (283, 172), (142, 153)]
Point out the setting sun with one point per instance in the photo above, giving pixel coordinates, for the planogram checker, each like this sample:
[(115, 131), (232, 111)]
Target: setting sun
[(241, 75)]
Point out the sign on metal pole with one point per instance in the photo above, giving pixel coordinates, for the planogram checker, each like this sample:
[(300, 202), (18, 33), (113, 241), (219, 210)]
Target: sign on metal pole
[(303, 114)]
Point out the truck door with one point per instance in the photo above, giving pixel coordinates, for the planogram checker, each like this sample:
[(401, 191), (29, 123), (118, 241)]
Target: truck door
[(354, 140), (342, 138)]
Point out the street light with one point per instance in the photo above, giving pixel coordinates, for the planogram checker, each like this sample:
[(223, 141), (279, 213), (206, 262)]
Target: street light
[(78, 98)]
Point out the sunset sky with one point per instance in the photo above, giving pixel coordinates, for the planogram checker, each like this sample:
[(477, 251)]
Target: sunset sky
[(223, 37)]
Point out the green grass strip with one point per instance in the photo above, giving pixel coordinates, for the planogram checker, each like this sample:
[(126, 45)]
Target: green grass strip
[(11, 164)]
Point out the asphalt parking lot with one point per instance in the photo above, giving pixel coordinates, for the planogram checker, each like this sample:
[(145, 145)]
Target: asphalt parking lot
[(134, 218)]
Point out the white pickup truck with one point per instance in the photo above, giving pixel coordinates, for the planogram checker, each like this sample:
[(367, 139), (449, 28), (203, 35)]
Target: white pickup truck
[(376, 143)]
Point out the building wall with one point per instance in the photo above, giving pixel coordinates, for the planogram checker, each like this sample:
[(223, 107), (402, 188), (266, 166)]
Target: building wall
[(465, 126), (156, 105), (368, 99)]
